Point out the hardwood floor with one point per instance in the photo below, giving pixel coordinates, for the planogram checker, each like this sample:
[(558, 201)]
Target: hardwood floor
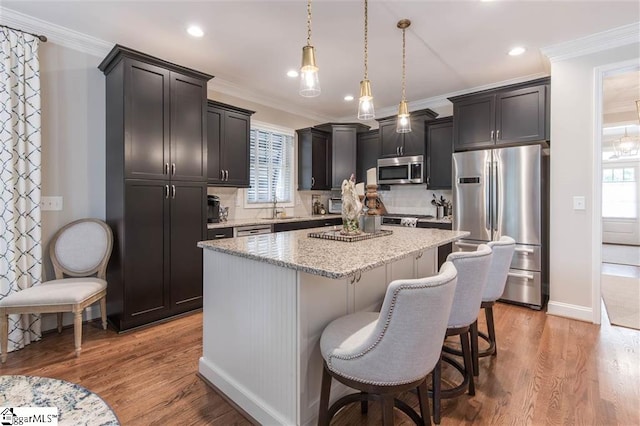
[(549, 370)]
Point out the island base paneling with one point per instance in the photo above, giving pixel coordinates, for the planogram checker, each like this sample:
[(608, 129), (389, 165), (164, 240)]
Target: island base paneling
[(262, 328)]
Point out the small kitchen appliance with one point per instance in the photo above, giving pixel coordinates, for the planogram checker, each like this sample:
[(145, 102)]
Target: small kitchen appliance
[(213, 209)]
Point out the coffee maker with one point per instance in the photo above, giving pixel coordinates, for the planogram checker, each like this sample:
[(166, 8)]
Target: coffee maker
[(213, 209)]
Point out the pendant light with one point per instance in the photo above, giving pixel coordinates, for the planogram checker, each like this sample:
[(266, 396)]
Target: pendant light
[(626, 146), (404, 118), (365, 106), (309, 82)]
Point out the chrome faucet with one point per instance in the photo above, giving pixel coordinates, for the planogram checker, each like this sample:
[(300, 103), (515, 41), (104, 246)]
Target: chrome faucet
[(274, 211)]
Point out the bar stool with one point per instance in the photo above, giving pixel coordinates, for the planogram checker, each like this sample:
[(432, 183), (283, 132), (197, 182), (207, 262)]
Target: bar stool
[(473, 269), (410, 328), (496, 281)]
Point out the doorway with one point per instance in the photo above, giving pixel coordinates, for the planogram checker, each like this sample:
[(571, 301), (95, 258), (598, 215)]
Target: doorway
[(620, 196)]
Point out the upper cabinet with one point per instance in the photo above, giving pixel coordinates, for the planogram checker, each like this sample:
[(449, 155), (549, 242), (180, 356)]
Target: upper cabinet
[(228, 132), (505, 116), (368, 152), (327, 154), (439, 152), (394, 144), (157, 109)]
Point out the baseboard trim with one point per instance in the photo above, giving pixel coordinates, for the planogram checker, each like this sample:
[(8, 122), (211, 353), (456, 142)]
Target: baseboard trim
[(567, 310)]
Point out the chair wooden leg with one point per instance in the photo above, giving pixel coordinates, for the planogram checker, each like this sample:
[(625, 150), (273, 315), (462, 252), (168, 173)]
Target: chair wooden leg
[(59, 315), (4, 335), (103, 312), (488, 312), (77, 330), (423, 398), (387, 410), (323, 405), (466, 352), (474, 348), (364, 405), (436, 386)]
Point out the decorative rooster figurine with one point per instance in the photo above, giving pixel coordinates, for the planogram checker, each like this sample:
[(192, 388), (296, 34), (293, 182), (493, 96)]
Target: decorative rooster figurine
[(351, 207)]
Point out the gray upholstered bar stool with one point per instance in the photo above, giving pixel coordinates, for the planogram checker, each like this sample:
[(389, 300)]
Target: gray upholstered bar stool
[(473, 269), (496, 280), (387, 353)]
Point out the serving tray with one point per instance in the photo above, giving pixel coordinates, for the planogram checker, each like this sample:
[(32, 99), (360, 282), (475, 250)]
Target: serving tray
[(335, 235)]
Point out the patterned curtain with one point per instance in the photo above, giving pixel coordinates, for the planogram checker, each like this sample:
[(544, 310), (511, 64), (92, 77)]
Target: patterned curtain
[(20, 152)]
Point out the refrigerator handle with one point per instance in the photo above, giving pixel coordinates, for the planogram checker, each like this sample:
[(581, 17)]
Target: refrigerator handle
[(494, 179), (487, 196)]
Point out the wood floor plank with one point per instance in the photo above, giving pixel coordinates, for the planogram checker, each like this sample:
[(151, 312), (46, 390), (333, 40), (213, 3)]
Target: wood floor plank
[(548, 370)]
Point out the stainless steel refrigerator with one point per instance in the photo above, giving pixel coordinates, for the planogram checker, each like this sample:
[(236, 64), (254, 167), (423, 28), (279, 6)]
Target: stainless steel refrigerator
[(500, 192)]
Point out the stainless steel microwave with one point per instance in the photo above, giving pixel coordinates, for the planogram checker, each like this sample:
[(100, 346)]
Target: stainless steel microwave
[(401, 170)]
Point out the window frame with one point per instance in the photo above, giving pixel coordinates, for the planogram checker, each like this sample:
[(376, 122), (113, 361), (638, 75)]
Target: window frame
[(272, 128)]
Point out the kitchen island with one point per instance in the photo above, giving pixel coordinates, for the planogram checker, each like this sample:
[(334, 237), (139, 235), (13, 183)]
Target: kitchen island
[(267, 299)]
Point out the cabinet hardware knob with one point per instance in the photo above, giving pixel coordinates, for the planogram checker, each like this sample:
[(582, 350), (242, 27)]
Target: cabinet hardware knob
[(166, 191), (166, 167), (221, 174), (313, 181), (173, 191), (226, 175), (173, 169), (492, 135), (497, 134)]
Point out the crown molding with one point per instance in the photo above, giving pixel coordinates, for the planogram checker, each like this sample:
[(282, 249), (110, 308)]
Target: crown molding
[(232, 89), (55, 33), (616, 37)]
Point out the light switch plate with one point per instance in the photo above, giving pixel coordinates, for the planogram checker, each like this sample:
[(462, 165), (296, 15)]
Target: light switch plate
[(51, 203), (579, 202)]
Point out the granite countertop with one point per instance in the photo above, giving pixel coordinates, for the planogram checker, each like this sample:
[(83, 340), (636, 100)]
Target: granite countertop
[(333, 259), (260, 221)]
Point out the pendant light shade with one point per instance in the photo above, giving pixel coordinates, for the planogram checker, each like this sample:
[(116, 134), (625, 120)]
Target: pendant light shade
[(309, 81), (404, 118), (365, 105)]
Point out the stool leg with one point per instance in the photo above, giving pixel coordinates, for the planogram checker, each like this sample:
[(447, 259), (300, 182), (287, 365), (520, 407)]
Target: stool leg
[(387, 410), (423, 398), (436, 386), (59, 315), (364, 405), (468, 368), (323, 406), (4, 335), (103, 312), (474, 348), (488, 312), (77, 330)]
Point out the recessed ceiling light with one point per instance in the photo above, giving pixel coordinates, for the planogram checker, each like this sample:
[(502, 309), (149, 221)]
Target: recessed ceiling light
[(348, 98), (195, 31), (517, 51), (292, 73)]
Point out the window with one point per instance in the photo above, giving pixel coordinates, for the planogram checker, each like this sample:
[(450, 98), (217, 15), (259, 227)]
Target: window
[(619, 192), (270, 165)]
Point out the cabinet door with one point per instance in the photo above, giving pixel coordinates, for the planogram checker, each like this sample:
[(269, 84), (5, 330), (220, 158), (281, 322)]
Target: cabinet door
[(439, 151), (390, 140), (474, 122), (414, 142), (520, 115), (320, 161), (343, 154), (146, 250), (188, 128), (146, 121), (367, 152), (188, 226), (215, 132), (234, 150), (305, 159)]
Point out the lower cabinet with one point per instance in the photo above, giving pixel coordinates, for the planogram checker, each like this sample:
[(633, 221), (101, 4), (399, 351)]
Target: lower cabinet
[(444, 250), (316, 223), (156, 267), (219, 233)]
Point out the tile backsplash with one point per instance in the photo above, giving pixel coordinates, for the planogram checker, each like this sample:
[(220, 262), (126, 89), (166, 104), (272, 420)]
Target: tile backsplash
[(412, 199)]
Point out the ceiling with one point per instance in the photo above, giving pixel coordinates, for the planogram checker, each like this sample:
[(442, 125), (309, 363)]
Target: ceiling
[(452, 46)]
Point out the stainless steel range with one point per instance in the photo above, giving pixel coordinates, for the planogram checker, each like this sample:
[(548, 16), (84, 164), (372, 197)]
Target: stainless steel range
[(404, 219)]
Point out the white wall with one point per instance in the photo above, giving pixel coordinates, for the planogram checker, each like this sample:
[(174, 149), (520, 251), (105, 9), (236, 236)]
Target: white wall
[(572, 173)]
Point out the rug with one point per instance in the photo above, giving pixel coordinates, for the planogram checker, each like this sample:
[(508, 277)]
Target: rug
[(76, 405), (621, 297), (621, 254)]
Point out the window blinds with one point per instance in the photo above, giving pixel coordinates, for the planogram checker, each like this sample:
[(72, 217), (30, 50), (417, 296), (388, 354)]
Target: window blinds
[(270, 168)]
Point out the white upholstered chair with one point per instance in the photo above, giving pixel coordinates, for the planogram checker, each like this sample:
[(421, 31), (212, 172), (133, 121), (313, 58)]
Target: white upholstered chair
[(496, 281), (79, 250), (384, 354), (473, 269)]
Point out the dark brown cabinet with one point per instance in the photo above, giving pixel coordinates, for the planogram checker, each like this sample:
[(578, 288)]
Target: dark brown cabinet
[(316, 223), (156, 186), (445, 249), (394, 144), (439, 152), (368, 152), (228, 133), (219, 233), (509, 115), (314, 159)]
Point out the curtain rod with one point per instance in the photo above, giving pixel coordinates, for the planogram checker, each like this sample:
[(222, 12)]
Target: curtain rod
[(40, 37)]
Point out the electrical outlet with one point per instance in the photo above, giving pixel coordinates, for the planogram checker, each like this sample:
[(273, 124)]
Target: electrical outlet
[(51, 203)]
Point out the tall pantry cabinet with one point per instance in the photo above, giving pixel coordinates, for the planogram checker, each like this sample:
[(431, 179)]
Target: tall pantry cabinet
[(156, 178)]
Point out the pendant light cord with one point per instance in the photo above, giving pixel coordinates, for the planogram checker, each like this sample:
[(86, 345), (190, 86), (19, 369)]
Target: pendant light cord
[(403, 63), (309, 23), (366, 40)]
